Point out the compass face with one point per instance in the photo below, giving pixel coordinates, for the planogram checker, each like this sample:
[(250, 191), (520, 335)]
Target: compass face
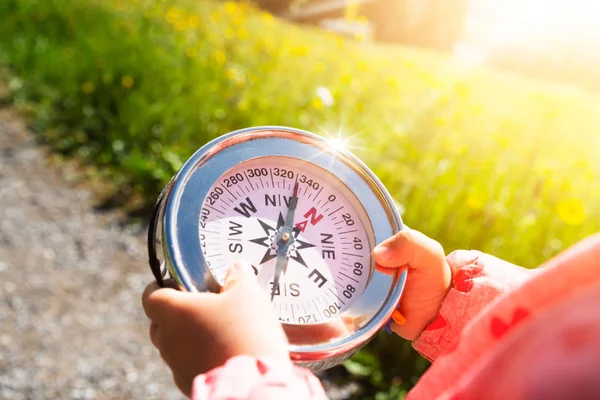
[(315, 264)]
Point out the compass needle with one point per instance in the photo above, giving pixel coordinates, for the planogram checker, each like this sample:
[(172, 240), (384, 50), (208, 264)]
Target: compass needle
[(285, 240)]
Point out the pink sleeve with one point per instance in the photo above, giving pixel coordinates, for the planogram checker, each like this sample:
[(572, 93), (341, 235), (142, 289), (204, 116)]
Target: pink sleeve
[(249, 378), (477, 279), (521, 327)]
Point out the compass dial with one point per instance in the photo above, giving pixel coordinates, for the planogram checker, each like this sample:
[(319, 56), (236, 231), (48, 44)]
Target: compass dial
[(305, 233)]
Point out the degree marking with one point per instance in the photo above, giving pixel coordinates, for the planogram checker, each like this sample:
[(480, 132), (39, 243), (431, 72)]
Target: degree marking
[(349, 277), (343, 233), (335, 211), (248, 180), (335, 294), (319, 194), (225, 187), (352, 255), (212, 208)]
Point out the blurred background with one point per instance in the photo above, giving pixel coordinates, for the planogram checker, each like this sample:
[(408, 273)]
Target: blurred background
[(481, 117)]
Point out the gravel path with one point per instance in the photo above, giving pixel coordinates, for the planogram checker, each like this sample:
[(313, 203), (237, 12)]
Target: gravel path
[(71, 322)]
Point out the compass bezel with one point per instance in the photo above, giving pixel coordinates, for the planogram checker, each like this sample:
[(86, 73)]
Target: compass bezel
[(184, 198)]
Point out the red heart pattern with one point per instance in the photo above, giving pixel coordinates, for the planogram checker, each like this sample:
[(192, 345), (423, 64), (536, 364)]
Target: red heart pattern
[(499, 327), (438, 323), (463, 278)]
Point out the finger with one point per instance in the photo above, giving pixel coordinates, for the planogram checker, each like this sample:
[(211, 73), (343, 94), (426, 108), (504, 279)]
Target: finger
[(170, 283), (150, 288), (157, 301), (154, 334), (391, 271), (239, 271), (408, 247)]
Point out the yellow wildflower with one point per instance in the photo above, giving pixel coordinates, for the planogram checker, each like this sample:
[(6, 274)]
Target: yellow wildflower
[(351, 11), (300, 50), (127, 82), (317, 103), (215, 16), (172, 15), (242, 105), (461, 89), (88, 88), (392, 83), (440, 121), (267, 18), (220, 56), (231, 7), (194, 21), (346, 78), (571, 211), (229, 34), (181, 25), (474, 202), (191, 52), (237, 76)]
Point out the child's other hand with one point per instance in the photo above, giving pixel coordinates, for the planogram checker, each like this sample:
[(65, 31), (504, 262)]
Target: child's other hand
[(427, 282), (196, 332)]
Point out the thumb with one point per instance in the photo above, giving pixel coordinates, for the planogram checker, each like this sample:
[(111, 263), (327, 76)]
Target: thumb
[(239, 271)]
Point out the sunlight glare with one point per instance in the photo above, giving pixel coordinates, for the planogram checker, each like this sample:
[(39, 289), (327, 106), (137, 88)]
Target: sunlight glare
[(337, 144)]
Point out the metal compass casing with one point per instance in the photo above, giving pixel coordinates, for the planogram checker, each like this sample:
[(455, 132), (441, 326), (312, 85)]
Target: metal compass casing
[(305, 213)]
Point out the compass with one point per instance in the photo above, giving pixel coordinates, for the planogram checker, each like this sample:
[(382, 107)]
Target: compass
[(305, 213)]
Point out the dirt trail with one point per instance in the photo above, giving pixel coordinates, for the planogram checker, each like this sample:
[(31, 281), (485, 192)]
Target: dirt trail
[(71, 325)]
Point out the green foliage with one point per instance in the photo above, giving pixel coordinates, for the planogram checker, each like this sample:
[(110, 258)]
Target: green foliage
[(477, 159)]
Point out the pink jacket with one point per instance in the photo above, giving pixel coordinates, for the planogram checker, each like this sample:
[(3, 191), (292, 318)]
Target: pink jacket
[(503, 332)]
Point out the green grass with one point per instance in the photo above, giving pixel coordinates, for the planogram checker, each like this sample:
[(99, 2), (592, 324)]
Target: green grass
[(476, 159)]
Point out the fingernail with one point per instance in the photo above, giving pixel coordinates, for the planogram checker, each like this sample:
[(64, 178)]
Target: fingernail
[(398, 318)]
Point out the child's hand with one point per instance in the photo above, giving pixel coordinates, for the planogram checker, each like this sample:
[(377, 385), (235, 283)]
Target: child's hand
[(196, 332), (428, 279)]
